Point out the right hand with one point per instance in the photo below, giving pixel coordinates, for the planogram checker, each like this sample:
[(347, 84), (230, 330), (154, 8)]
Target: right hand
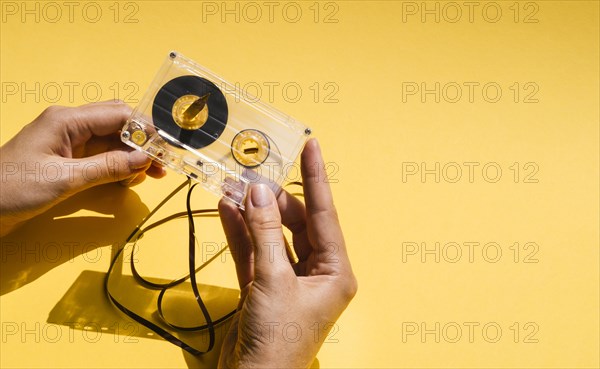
[(285, 310)]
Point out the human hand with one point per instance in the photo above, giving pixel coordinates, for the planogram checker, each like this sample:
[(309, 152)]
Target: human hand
[(64, 151), (282, 304)]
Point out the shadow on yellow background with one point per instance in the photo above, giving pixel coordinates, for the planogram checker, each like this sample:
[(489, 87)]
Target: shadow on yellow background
[(53, 238), (85, 306)]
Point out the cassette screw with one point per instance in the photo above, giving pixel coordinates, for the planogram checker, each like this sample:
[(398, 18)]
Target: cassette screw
[(125, 135), (307, 131)]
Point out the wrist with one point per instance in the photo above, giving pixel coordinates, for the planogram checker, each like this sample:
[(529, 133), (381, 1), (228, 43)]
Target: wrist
[(281, 359)]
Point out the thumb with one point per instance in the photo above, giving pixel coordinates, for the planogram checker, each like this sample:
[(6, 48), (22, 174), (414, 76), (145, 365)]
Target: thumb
[(263, 220), (111, 166)]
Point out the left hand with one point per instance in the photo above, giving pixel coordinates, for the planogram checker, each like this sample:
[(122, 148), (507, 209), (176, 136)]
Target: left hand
[(64, 151)]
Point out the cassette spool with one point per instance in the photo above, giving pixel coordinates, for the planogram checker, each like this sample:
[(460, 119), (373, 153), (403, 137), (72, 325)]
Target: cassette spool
[(200, 125)]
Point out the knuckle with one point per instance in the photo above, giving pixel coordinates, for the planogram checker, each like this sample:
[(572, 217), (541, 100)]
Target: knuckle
[(109, 159), (267, 219), (53, 114), (267, 223), (52, 109), (333, 213), (326, 213), (111, 163), (124, 109), (349, 287)]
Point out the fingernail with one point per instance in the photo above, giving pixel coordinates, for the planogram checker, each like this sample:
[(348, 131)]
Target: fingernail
[(260, 195), (137, 160)]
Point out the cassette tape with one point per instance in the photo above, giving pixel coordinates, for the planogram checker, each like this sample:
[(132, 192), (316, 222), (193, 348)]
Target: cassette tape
[(200, 125)]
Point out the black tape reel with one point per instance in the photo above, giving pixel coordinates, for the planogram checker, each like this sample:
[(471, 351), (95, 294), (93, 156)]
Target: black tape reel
[(181, 89)]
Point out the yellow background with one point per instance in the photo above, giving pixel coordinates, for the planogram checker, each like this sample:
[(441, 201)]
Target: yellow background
[(367, 132)]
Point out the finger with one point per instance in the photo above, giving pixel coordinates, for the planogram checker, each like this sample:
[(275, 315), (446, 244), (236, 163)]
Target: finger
[(135, 180), (293, 216), (96, 120), (156, 170), (238, 240), (105, 102), (317, 194), (324, 230), (110, 166), (263, 219), (97, 145)]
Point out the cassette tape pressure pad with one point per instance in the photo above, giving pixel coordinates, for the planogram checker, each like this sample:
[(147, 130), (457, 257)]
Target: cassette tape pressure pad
[(198, 124)]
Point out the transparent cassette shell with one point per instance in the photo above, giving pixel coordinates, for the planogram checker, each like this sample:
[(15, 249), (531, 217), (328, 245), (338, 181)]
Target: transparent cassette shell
[(218, 167)]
